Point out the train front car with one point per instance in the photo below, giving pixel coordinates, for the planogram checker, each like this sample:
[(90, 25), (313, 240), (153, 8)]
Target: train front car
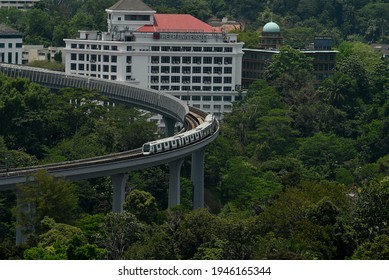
[(147, 149)]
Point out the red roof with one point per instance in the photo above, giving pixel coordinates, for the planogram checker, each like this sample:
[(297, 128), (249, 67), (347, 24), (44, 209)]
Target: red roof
[(177, 23)]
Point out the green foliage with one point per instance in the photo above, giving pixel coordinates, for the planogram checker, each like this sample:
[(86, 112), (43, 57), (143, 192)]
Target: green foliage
[(377, 249), (142, 204), (118, 232), (372, 210), (44, 195)]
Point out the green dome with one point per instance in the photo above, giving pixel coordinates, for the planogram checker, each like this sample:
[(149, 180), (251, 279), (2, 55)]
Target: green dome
[(271, 27)]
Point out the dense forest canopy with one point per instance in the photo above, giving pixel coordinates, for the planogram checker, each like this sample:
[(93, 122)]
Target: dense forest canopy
[(298, 172), (362, 20)]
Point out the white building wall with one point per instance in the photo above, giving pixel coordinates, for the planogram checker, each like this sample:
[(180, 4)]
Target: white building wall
[(11, 50)]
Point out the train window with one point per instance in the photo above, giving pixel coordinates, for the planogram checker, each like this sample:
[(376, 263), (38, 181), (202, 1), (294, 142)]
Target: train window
[(166, 146)]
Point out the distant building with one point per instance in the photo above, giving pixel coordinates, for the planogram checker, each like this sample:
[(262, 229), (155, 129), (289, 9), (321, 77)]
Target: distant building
[(11, 42), (174, 53), (255, 61), (18, 4), (383, 49), (38, 53)]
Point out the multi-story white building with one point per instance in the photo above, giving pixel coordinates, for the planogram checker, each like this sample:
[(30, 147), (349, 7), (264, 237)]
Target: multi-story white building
[(18, 4), (11, 43), (175, 53)]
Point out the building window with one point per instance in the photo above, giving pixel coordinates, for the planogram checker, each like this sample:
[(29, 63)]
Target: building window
[(114, 58), (207, 70), (196, 69), (155, 59), (217, 70), (227, 89), (207, 98), (176, 69), (175, 88), (186, 79), (129, 48), (19, 45), (227, 70), (93, 67), (186, 49), (137, 17), (185, 69), (81, 67), (227, 49), (81, 57), (218, 49), (114, 48), (207, 60), (197, 49), (218, 60), (197, 60), (165, 48), (207, 80), (155, 87), (196, 98), (196, 79), (217, 80), (207, 49), (228, 60), (165, 69), (217, 88), (73, 66), (176, 59), (217, 98), (105, 58), (185, 88), (206, 88), (165, 79), (154, 79), (186, 59), (105, 68), (155, 48), (154, 69), (128, 69), (176, 79), (113, 68), (73, 46), (73, 56), (227, 80), (176, 49), (165, 59)]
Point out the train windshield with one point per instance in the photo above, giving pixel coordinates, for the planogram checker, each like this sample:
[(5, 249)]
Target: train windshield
[(146, 148)]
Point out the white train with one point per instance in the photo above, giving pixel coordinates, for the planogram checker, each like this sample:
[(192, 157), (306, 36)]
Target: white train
[(200, 132)]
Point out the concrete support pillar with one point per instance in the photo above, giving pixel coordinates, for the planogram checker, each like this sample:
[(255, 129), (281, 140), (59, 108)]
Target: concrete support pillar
[(174, 182), (169, 126), (119, 182), (23, 210), (197, 177)]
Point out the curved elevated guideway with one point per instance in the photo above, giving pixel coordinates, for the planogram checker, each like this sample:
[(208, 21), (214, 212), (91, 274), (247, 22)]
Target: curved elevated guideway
[(118, 165)]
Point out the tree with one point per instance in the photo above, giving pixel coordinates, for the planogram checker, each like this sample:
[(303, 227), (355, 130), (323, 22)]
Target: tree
[(118, 232), (142, 204), (45, 195), (372, 210), (288, 62)]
